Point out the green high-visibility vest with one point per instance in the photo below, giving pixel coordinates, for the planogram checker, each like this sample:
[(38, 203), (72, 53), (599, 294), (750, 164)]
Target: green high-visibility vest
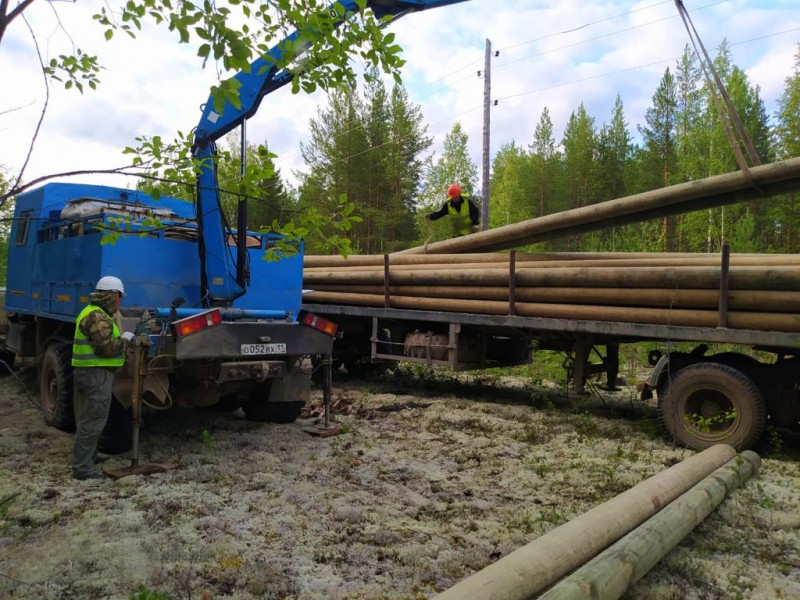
[(462, 224), (82, 351)]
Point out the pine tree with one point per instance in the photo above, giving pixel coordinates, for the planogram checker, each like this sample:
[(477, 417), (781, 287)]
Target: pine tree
[(787, 143), (366, 151), (337, 136), (546, 165), (787, 128), (613, 154), (747, 101), (579, 145), (613, 157), (658, 136), (689, 109), (512, 186), (404, 168)]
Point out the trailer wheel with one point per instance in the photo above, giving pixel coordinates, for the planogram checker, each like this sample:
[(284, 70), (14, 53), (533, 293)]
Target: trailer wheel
[(273, 412), (55, 387), (710, 403)]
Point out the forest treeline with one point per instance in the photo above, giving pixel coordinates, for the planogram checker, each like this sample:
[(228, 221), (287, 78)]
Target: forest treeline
[(372, 147)]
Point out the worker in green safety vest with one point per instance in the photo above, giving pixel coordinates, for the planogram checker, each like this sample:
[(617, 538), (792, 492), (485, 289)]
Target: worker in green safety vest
[(464, 213), (98, 351)]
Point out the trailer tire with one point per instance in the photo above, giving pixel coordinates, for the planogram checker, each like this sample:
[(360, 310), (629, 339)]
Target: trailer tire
[(697, 398), (55, 387)]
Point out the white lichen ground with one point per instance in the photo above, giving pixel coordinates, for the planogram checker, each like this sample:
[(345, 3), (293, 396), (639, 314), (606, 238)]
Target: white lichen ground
[(427, 485)]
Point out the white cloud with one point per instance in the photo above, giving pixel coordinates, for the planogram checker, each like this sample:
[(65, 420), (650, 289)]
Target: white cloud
[(554, 53)]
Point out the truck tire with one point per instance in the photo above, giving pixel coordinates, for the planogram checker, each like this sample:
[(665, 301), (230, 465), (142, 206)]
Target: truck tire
[(7, 358), (55, 387), (697, 398), (273, 412), (117, 436)]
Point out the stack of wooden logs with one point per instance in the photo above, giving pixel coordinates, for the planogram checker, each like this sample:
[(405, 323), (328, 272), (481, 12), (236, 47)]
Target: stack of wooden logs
[(756, 291)]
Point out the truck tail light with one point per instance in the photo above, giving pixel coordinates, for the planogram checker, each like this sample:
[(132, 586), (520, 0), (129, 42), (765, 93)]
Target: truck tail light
[(318, 323), (198, 322)]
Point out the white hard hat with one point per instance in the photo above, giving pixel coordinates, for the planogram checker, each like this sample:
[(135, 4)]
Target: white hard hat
[(111, 284)]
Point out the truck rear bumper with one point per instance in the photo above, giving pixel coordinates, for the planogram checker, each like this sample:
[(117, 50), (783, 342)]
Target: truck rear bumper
[(225, 341)]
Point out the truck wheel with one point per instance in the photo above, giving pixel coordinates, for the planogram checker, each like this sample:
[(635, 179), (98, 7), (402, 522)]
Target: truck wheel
[(710, 403), (55, 387), (117, 436), (7, 358), (273, 412)]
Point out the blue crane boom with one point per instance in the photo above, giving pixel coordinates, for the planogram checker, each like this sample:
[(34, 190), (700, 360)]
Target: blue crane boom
[(224, 279)]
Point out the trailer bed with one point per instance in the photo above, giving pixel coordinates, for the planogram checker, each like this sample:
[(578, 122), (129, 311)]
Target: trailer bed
[(602, 332)]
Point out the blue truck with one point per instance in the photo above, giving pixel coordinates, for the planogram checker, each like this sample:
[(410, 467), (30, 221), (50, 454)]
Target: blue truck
[(252, 350), (225, 326)]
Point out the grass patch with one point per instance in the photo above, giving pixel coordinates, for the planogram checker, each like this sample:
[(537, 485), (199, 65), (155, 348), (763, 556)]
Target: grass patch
[(5, 505)]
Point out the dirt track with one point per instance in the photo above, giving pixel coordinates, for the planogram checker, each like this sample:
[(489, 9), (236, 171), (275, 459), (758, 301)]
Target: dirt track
[(428, 484)]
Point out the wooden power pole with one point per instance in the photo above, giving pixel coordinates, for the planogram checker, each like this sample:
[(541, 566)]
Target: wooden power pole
[(487, 89)]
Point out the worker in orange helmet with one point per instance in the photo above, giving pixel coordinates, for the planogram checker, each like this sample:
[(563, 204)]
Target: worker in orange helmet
[(465, 214)]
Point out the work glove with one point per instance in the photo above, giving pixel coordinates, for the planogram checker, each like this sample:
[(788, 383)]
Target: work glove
[(128, 336)]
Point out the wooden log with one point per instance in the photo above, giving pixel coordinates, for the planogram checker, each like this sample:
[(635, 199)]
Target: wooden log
[(613, 571), (741, 277), (376, 260), (743, 300), (532, 568), (730, 188), (758, 321), (467, 262)]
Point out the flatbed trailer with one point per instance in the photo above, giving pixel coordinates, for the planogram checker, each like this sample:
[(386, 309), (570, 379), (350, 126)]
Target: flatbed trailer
[(702, 399)]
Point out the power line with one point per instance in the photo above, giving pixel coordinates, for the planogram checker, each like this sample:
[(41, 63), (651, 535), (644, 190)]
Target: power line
[(605, 35), (585, 25), (471, 65), (641, 66)]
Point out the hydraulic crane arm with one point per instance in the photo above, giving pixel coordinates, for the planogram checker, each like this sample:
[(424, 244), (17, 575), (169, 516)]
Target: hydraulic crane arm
[(222, 281)]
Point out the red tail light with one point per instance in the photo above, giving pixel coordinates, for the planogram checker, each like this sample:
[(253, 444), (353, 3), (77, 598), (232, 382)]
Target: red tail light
[(198, 322), (318, 323)]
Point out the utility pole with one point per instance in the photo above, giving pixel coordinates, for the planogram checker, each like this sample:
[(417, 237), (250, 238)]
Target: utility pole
[(487, 101), (487, 90)]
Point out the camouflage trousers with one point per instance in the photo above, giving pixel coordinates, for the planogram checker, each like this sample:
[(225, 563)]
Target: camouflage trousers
[(93, 402)]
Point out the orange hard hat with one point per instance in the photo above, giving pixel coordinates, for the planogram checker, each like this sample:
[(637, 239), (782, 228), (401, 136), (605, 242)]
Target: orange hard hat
[(454, 190)]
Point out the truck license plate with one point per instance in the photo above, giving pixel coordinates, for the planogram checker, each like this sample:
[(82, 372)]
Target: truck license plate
[(252, 349)]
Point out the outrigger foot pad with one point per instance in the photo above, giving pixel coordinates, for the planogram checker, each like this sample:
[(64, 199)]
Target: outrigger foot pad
[(134, 470), (324, 431)]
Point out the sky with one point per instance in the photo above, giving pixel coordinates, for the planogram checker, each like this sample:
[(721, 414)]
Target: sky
[(552, 53)]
